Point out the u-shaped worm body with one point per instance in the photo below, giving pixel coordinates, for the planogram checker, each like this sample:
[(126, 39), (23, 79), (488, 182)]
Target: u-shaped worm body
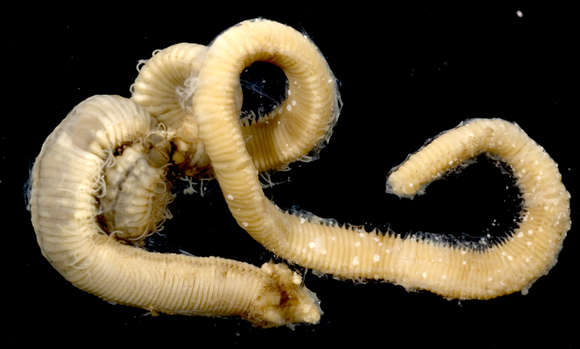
[(99, 182), (65, 213)]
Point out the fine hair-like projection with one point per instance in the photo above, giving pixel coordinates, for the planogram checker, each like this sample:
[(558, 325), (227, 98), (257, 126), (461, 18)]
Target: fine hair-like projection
[(99, 188)]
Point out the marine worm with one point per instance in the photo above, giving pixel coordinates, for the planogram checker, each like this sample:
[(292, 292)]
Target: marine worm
[(99, 188)]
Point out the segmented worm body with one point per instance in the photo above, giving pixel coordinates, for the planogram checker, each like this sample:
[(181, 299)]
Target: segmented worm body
[(65, 212), (451, 271), (99, 187)]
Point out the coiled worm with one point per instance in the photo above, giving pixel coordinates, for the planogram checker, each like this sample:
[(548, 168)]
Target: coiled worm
[(99, 187)]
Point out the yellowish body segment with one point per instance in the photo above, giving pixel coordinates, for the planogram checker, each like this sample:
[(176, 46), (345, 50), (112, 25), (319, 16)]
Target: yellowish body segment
[(100, 182), (451, 271), (65, 209)]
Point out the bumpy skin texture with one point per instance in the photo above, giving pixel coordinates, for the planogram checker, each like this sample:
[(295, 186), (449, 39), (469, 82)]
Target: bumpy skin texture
[(533, 248), (98, 186), (167, 82), (451, 271), (65, 210), (164, 87), (134, 193)]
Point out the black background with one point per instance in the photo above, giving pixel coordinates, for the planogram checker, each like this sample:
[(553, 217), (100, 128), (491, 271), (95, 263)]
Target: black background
[(405, 73)]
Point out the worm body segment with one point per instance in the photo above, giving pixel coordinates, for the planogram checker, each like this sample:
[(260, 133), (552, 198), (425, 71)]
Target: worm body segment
[(451, 271), (65, 209)]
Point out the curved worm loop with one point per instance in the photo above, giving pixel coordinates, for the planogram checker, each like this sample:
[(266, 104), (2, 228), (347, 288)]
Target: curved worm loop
[(75, 179), (451, 271), (64, 212)]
